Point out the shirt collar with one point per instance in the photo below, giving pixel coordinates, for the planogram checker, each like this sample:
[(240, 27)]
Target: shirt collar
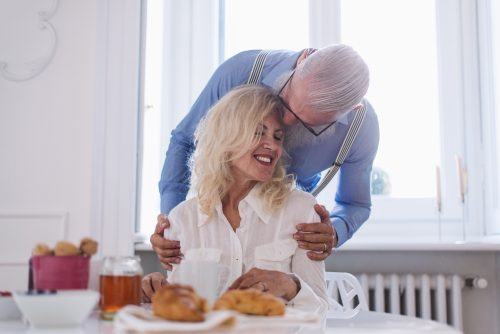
[(253, 200), (203, 218), (345, 118), (286, 64), (256, 203)]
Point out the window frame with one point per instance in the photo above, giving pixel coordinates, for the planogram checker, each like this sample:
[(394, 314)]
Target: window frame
[(489, 32), (457, 24), (467, 124)]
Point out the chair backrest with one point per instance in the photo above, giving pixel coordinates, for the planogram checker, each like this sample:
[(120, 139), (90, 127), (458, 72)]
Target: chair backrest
[(345, 295)]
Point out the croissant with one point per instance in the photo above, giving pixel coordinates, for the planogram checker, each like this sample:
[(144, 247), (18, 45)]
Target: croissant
[(250, 301), (179, 302)]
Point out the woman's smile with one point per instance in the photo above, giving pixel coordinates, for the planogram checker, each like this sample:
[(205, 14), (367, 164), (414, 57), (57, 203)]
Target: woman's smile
[(264, 159), (259, 163)]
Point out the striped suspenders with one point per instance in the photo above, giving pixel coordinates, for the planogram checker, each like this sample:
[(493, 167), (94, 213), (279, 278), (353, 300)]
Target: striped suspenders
[(258, 65), (344, 149)]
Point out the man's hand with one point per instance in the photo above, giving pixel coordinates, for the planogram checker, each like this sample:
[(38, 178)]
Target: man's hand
[(168, 251), (319, 238), (275, 282), (150, 284)]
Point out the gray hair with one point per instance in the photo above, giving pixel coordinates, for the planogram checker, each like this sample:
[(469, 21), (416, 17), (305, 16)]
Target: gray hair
[(337, 78)]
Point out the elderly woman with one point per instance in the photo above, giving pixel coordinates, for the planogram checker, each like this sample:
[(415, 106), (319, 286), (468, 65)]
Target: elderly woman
[(245, 205)]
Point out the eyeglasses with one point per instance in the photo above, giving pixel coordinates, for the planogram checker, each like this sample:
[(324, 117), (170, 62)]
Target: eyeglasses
[(307, 126)]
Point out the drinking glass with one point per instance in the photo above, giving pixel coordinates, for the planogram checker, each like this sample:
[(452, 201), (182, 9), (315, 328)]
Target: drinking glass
[(202, 275)]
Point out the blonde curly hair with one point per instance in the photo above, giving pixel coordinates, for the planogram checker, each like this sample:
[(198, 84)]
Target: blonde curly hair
[(228, 132)]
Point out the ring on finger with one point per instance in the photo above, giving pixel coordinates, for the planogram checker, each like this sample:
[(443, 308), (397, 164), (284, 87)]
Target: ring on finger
[(325, 246)]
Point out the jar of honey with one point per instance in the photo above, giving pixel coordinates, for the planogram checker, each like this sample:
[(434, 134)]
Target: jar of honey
[(120, 284)]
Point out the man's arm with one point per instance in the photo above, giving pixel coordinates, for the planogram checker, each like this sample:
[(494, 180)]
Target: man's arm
[(318, 238), (353, 198), (168, 251)]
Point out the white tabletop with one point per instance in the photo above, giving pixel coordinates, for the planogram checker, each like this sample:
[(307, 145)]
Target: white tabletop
[(377, 322), (363, 323)]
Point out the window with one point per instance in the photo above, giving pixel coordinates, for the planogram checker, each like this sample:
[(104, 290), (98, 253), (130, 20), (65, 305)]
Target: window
[(490, 98), (290, 30), (403, 88), (430, 95), (181, 54), (403, 53)]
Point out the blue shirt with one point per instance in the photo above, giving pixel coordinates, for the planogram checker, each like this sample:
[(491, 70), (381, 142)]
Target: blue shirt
[(352, 199)]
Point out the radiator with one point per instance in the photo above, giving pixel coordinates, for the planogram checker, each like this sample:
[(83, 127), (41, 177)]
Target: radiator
[(434, 297)]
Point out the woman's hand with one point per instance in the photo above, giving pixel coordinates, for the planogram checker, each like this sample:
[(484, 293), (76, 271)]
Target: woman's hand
[(150, 284), (275, 282), (319, 238), (168, 251)]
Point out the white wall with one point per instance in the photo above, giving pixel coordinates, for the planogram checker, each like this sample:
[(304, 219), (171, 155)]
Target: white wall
[(68, 135), (68, 148)]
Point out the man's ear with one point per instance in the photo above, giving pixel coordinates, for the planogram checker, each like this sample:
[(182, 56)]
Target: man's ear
[(306, 53)]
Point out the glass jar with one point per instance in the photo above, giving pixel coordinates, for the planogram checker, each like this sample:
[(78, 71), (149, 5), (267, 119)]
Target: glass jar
[(120, 284)]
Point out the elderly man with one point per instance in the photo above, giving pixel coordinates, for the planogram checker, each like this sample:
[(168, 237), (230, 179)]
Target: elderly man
[(320, 89)]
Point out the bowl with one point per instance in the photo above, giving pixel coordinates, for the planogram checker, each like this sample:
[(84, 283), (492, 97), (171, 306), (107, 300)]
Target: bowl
[(66, 308), (8, 307)]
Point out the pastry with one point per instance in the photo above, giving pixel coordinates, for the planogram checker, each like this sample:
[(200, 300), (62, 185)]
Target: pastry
[(179, 302), (250, 301), (65, 248), (88, 246), (41, 249)]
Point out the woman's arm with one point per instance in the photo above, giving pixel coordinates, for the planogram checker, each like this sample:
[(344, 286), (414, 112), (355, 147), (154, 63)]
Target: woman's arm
[(311, 275), (277, 283), (150, 284)]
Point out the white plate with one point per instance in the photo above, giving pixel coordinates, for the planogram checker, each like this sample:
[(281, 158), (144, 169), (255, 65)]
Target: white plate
[(291, 317), (135, 318), (142, 319)]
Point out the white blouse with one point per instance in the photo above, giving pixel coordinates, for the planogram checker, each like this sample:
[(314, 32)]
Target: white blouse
[(264, 240)]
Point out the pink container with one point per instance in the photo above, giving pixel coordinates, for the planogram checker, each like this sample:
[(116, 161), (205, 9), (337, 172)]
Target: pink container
[(60, 272)]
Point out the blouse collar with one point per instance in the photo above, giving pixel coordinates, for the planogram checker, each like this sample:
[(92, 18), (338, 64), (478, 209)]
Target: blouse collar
[(253, 201)]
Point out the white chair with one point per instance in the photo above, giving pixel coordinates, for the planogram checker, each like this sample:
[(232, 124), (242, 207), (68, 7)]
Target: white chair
[(345, 295)]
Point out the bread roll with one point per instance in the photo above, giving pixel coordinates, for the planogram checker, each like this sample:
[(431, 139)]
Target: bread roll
[(41, 249), (65, 248), (88, 246)]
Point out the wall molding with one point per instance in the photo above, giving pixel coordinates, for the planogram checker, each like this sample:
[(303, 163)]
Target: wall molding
[(14, 70), (24, 229)]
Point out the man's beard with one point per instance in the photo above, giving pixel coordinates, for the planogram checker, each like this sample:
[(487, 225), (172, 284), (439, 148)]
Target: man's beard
[(297, 135)]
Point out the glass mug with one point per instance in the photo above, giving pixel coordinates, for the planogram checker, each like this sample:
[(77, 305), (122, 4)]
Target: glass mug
[(120, 284)]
